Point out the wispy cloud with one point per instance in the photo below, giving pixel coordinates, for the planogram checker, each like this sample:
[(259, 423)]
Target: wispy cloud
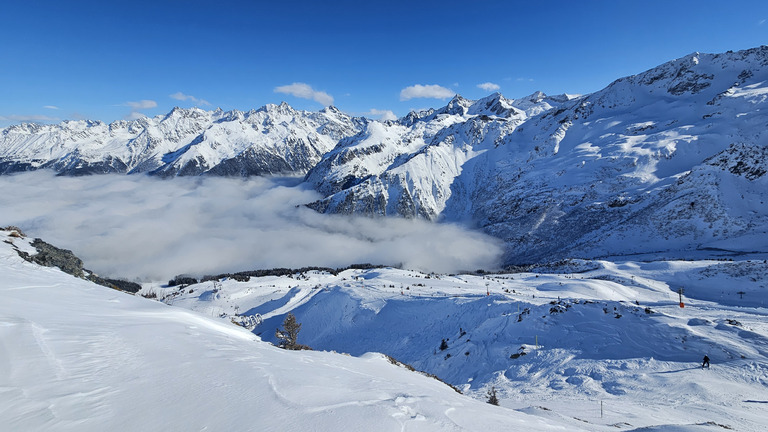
[(143, 227), (761, 22), (382, 114), (489, 86), (305, 91), (52, 107), (141, 105), (33, 118), (137, 106), (432, 91), (134, 115), (185, 97), (524, 79)]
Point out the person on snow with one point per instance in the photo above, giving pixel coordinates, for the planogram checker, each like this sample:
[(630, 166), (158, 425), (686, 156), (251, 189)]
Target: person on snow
[(705, 363)]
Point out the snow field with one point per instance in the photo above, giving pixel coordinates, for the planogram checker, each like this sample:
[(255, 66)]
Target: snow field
[(610, 332), (81, 357)]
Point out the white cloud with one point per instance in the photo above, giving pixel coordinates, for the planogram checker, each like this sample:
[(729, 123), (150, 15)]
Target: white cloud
[(761, 22), (525, 79), (142, 104), (33, 118), (53, 107), (305, 91), (137, 106), (185, 97), (134, 115), (489, 86), (425, 91), (137, 226), (382, 114)]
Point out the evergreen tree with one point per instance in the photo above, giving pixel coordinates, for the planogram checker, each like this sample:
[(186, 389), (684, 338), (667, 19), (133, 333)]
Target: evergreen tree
[(289, 334), (492, 399)]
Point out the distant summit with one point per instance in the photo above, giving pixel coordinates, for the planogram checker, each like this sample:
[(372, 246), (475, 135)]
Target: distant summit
[(273, 139)]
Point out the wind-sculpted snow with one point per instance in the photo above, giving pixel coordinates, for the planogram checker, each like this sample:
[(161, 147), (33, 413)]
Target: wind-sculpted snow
[(273, 139)]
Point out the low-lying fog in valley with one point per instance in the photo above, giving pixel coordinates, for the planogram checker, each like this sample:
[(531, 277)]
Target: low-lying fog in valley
[(141, 227)]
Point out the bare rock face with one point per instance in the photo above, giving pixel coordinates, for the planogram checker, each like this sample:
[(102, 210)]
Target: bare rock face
[(51, 256)]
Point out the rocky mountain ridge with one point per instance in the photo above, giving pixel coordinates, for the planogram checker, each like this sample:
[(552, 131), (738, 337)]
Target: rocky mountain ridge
[(271, 140), (630, 169)]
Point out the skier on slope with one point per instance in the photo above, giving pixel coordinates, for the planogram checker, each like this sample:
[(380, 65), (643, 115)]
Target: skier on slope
[(705, 363)]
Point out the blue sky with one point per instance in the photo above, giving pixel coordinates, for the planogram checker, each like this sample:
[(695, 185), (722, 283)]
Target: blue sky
[(110, 60)]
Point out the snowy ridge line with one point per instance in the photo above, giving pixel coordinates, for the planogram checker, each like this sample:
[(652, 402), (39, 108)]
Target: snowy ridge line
[(274, 139), (40, 252)]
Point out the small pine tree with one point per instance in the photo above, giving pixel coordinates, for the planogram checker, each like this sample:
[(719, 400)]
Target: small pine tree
[(492, 399), (289, 334)]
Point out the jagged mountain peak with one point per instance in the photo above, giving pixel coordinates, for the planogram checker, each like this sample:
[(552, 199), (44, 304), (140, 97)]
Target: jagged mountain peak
[(283, 108), (330, 109), (496, 105), (178, 112)]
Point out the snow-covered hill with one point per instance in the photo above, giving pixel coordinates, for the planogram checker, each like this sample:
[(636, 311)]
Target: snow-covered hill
[(560, 341), (669, 161), (273, 139), (78, 356)]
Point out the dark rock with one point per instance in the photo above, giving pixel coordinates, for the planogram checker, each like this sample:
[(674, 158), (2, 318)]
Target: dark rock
[(51, 256)]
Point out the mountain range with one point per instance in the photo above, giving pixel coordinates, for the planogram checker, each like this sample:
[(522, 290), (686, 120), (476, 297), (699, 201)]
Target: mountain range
[(670, 162), (271, 140)]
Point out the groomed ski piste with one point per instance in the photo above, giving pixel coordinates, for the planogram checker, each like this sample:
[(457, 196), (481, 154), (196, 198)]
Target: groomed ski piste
[(581, 345)]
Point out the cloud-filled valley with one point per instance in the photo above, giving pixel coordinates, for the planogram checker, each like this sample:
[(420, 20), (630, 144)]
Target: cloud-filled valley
[(140, 227)]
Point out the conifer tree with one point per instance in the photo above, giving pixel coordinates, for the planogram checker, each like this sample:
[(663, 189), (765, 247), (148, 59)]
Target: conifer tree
[(289, 334), (492, 399)]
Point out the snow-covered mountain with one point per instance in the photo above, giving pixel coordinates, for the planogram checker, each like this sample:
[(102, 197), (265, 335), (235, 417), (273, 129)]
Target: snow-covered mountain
[(670, 160), (408, 167), (273, 139)]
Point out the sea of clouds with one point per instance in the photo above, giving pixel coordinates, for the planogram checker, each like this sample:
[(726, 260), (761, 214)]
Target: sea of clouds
[(144, 228)]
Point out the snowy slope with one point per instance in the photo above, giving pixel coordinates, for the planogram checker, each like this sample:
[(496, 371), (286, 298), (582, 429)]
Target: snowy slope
[(630, 166), (77, 356), (272, 139), (555, 342), (666, 161)]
